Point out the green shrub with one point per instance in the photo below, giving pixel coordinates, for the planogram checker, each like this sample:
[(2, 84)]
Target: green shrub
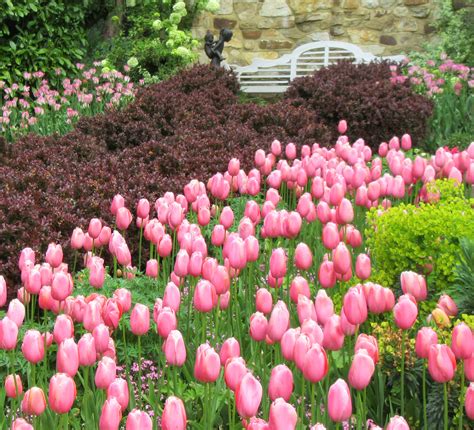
[(463, 289), (41, 35), (421, 238)]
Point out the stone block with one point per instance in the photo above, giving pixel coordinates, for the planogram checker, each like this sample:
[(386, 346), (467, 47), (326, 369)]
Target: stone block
[(337, 30), (350, 4), (282, 22), (320, 35), (387, 4), (420, 11), (362, 36), (251, 34), (226, 7), (380, 23), (275, 44), (251, 45), (414, 2), (245, 11), (387, 40), (429, 28), (370, 4), (400, 11), (407, 24), (220, 23), (275, 8)]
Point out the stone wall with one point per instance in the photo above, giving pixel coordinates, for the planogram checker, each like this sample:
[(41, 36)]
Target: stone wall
[(270, 28)]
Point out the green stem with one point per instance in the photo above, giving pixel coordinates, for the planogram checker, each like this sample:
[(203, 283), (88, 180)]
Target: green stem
[(140, 370), (302, 404), (461, 396), (446, 424), (425, 415), (140, 250), (402, 383)]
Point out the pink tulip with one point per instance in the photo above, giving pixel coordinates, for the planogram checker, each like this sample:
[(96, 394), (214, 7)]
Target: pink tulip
[(469, 368), (369, 344), (397, 423), (227, 217), (105, 373), (258, 326), (345, 212), (13, 389), (16, 312), (278, 263), (263, 301), (324, 307), (205, 296), (248, 396), (315, 366), (330, 236), (92, 315), (67, 359), (405, 312), (172, 297), (117, 202), (327, 274), (62, 393), (447, 304), (86, 349), (363, 267), (174, 348), (143, 208), (207, 365), (425, 337), (305, 309), (118, 390), (355, 306), (95, 227), (54, 255), (342, 259), (406, 142), (342, 126), (441, 363), (462, 341), (111, 415), (333, 334), (174, 415), (140, 320), (279, 321), (34, 402), (33, 346), (302, 346), (281, 383), (123, 218), (282, 415), (234, 371), (414, 284), (469, 401), (303, 256), (339, 401), (101, 338), (230, 348), (138, 420), (361, 370), (62, 286), (21, 424), (166, 322), (77, 238), (63, 328), (124, 297), (299, 286)]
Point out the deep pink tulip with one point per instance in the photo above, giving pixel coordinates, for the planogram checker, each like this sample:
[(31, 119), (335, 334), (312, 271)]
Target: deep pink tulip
[(263, 301), (111, 415), (324, 307), (425, 337), (447, 304), (26, 255), (312, 329), (138, 420), (405, 312), (361, 370), (33, 346), (12, 389), (16, 312), (414, 284), (315, 366), (118, 389), (62, 393), (3, 291), (278, 263), (333, 334), (339, 401), (166, 322), (34, 402), (105, 373), (248, 396), (174, 415), (369, 344), (327, 274), (230, 348), (281, 383), (86, 349), (441, 363), (363, 267), (279, 321), (235, 369), (67, 359), (355, 306), (375, 296), (111, 313), (140, 320), (397, 423), (469, 368), (258, 326), (54, 255), (174, 348), (469, 401), (207, 365), (342, 126), (462, 341), (282, 415), (63, 328)]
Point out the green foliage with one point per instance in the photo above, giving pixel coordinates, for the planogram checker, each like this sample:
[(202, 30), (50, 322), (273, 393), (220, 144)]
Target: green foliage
[(155, 38), (409, 237), (41, 35), (463, 289)]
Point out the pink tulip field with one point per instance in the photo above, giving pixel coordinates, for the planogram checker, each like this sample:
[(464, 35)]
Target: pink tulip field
[(253, 302)]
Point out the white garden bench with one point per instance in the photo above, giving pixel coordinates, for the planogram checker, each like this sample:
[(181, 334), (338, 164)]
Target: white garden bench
[(274, 76)]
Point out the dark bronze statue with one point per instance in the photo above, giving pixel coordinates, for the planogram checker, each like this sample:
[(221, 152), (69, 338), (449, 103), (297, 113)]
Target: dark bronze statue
[(214, 48)]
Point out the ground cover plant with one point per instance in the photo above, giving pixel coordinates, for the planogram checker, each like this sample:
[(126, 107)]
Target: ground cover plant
[(259, 283)]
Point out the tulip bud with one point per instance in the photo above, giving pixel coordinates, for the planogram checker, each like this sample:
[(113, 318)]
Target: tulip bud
[(174, 415)]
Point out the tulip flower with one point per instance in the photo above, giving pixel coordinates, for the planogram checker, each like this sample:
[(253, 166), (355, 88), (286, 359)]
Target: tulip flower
[(327, 274), (105, 373), (361, 370), (87, 351), (282, 415), (140, 320), (397, 423), (152, 268), (13, 386), (279, 321), (123, 218), (166, 322), (303, 256), (230, 348), (355, 306), (447, 304), (263, 301), (34, 402), (174, 348), (3, 291), (207, 364), (281, 383), (441, 363), (118, 389), (248, 396), (54, 255), (414, 284), (33, 346), (21, 424), (234, 371), (462, 341), (63, 328), (67, 359), (258, 326), (16, 312), (363, 267), (469, 401), (368, 343), (339, 401), (278, 263), (111, 415), (138, 420), (405, 312), (324, 307), (62, 393), (333, 334), (174, 415)]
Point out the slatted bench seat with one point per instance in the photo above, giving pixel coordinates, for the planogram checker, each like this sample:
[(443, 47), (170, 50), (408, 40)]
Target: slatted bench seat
[(274, 76)]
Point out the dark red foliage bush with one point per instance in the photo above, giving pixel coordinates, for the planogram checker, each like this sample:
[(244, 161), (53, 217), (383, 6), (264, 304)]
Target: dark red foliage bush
[(375, 108), (184, 128)]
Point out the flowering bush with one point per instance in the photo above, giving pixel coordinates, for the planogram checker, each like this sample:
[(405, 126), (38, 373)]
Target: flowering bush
[(363, 94), (36, 106)]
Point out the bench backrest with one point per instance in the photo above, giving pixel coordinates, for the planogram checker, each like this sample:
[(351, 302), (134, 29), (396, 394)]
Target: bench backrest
[(274, 76)]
